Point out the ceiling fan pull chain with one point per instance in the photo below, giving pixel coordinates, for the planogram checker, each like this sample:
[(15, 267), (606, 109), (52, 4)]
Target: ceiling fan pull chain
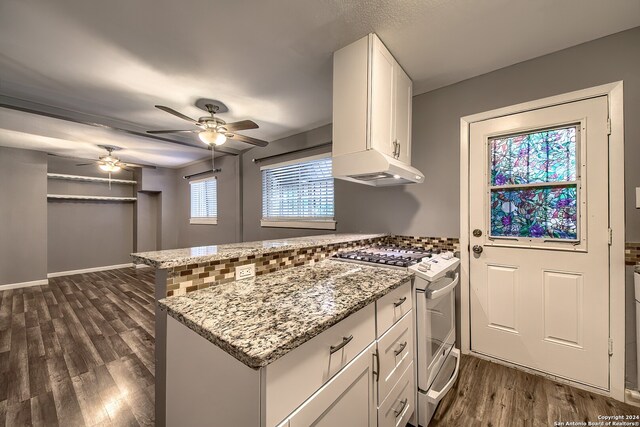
[(109, 180)]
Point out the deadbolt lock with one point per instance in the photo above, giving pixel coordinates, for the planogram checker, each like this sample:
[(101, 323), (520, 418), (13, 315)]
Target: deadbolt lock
[(477, 232)]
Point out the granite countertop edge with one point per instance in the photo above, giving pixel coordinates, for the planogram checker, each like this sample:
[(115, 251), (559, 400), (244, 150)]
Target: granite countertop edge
[(259, 361), (154, 259)]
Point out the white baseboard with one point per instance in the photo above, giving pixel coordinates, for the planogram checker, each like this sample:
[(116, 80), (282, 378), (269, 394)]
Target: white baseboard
[(24, 284), (632, 397), (89, 270), (142, 266)]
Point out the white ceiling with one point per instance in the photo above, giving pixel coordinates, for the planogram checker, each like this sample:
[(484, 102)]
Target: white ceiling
[(269, 61)]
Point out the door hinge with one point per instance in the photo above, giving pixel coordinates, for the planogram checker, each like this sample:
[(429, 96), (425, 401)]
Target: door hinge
[(610, 237), (610, 346), (608, 126)]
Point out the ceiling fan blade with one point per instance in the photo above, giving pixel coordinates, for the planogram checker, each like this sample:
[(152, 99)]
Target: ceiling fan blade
[(177, 114), (86, 164), (155, 132), (137, 165), (249, 140), (241, 125)]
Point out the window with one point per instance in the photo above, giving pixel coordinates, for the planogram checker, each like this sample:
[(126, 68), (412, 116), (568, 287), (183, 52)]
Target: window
[(534, 185), (298, 194), (204, 201)]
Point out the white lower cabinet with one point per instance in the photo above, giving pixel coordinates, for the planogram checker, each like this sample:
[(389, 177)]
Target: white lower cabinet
[(395, 350), (342, 377), (348, 399), (398, 407)]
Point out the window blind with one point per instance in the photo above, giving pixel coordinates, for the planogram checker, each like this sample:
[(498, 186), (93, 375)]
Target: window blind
[(298, 191), (204, 198)]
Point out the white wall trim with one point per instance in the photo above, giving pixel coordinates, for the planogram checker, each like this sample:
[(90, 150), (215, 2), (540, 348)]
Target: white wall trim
[(89, 270), (312, 225), (614, 92), (203, 221), (24, 284)]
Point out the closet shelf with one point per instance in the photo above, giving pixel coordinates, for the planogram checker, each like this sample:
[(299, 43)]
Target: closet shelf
[(96, 198), (89, 178)]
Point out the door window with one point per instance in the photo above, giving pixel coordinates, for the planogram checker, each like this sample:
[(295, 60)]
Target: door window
[(535, 184)]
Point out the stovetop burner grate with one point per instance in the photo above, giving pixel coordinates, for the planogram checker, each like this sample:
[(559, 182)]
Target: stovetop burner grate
[(394, 256)]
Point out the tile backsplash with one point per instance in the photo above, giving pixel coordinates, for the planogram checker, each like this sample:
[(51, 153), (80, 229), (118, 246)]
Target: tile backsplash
[(632, 253), (188, 278)]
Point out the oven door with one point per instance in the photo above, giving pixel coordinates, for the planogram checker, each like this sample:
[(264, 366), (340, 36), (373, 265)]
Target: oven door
[(435, 326)]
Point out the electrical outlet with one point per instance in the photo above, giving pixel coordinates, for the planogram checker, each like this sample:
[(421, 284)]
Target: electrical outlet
[(245, 271)]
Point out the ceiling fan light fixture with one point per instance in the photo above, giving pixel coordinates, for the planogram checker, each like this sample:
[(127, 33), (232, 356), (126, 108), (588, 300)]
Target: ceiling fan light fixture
[(212, 137), (109, 167)]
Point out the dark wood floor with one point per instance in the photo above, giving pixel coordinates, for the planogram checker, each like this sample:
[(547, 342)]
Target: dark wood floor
[(79, 352), (489, 394)]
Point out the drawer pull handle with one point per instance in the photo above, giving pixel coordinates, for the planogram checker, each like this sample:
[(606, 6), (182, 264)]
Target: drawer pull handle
[(403, 404), (345, 341), (399, 350), (400, 302)]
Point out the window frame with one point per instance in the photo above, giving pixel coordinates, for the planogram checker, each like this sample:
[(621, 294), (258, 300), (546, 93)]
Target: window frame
[(307, 223), (210, 220), (580, 243)]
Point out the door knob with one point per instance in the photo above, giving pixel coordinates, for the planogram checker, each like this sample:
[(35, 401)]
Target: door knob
[(477, 249)]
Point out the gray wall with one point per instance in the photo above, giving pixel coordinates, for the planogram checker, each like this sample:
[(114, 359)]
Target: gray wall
[(86, 234), (148, 222), (228, 228), (162, 182), (23, 215)]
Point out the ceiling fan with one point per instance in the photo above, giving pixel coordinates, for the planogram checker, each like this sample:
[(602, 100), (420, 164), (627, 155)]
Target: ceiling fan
[(110, 163), (212, 130)]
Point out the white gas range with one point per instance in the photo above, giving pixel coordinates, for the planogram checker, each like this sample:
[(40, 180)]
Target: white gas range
[(438, 360), (434, 285)]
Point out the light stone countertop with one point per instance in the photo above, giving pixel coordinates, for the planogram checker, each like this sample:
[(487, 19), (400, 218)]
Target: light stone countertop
[(176, 257), (260, 320)]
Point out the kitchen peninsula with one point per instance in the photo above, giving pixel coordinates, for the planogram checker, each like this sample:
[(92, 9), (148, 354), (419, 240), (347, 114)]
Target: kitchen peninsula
[(183, 271)]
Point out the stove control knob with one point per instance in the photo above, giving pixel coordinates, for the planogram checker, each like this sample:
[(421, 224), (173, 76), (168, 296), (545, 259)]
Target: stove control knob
[(424, 266)]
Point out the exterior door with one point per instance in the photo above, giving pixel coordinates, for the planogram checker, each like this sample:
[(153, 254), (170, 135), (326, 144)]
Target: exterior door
[(539, 269)]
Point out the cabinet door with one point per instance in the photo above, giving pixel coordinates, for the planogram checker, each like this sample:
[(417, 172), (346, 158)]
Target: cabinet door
[(347, 400), (402, 113), (382, 105)]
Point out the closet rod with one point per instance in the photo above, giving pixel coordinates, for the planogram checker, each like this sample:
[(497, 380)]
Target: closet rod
[(202, 173), (262, 159)]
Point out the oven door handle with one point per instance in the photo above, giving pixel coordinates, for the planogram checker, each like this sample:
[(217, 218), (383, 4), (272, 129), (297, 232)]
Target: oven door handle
[(437, 293), (433, 396)]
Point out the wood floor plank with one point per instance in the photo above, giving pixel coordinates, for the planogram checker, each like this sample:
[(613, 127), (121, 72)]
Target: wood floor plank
[(19, 414), (66, 403), (493, 395), (43, 410), (91, 405)]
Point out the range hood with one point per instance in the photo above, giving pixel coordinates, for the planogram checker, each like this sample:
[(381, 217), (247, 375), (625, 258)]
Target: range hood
[(373, 168)]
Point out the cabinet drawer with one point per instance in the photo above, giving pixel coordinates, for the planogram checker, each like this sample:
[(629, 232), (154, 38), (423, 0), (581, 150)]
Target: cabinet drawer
[(346, 400), (294, 377), (391, 307), (400, 404), (395, 350)]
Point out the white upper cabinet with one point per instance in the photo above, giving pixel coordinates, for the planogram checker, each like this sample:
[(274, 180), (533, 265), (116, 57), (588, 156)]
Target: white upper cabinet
[(402, 114), (371, 101), (382, 103)]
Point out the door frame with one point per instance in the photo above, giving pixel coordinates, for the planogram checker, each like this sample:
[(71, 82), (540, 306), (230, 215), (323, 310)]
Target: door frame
[(614, 93)]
